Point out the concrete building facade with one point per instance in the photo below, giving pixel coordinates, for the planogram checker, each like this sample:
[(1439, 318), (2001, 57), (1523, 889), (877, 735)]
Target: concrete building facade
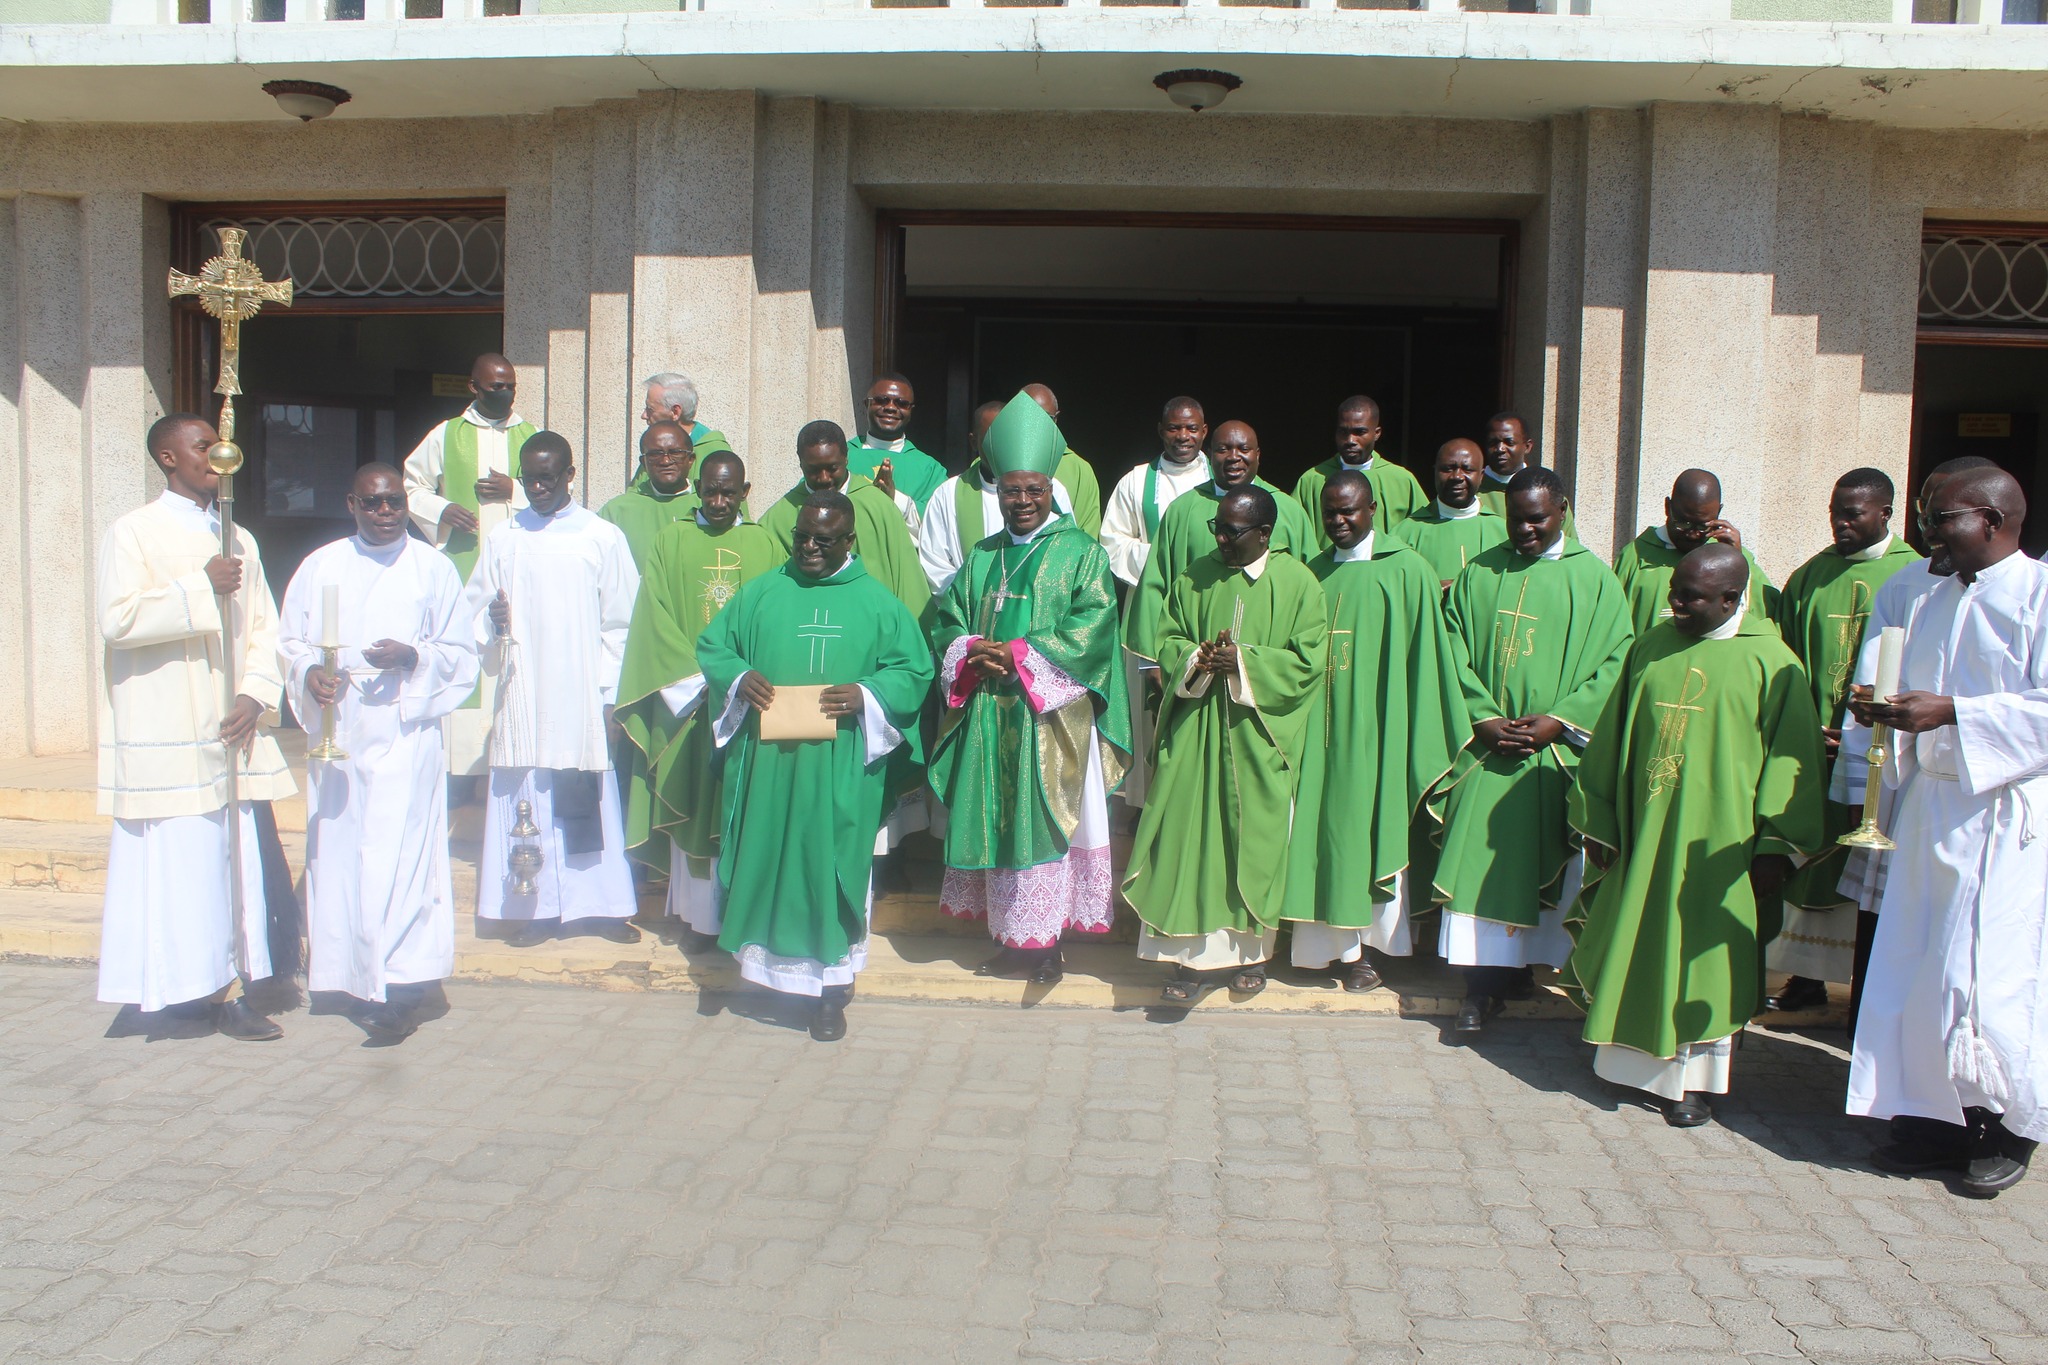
[(1712, 228)]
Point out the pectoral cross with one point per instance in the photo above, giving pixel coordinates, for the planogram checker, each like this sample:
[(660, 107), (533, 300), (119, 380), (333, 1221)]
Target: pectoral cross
[(1515, 641), (1848, 636), (1339, 662), (1668, 758), (721, 581), (820, 632), (231, 288)]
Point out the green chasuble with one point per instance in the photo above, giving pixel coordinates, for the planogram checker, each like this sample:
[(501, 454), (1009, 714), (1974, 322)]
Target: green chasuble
[(1078, 477), (672, 792), (703, 441), (1645, 566), (1822, 613), (1707, 754), (642, 513), (1207, 855), (1493, 496), (880, 537), (1396, 495), (1449, 543), (798, 836), (1386, 721), (1010, 774), (1184, 538), (458, 481), (917, 474), (1531, 637)]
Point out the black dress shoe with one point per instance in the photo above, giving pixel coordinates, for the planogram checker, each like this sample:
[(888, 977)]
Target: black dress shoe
[(530, 933), (1472, 1016), (1362, 976), (1799, 993), (234, 1019), (610, 930), (387, 1023), (828, 1023), (1690, 1112), (1985, 1177), (1917, 1156)]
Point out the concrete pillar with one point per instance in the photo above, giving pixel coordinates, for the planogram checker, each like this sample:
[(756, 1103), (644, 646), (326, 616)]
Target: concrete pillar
[(786, 227), (14, 729), (612, 366), (836, 210)]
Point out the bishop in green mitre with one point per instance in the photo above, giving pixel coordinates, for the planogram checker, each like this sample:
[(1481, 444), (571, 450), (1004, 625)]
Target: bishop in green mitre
[(1705, 777), (1395, 491), (1822, 614), (693, 570), (1036, 728), (1242, 649), (1387, 718), (1186, 536), (1539, 628), (1510, 449), (660, 499), (887, 549), (1692, 517), (887, 455), (1455, 528), (797, 844)]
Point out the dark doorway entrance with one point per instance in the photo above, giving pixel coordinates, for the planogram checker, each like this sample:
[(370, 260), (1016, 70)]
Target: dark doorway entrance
[(1267, 320), (393, 304)]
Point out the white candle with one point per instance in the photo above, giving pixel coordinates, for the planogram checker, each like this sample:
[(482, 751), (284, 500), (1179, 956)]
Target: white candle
[(330, 617), (1891, 643)]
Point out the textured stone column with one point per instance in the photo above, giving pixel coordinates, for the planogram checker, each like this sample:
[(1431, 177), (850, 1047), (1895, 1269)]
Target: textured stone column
[(14, 525), (786, 228)]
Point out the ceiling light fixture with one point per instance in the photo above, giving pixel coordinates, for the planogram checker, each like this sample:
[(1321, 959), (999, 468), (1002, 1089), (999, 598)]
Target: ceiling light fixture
[(1196, 89), (306, 100)]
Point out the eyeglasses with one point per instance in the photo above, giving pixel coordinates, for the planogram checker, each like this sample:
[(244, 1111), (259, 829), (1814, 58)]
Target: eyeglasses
[(822, 542), (1217, 528), (1691, 528), (1030, 492), (1930, 519), (380, 502)]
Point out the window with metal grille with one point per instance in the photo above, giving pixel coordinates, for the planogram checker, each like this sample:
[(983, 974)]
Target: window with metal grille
[(1981, 276), (452, 257)]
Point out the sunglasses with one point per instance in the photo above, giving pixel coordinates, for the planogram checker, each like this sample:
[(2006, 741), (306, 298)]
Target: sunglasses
[(1217, 528), (822, 542), (1930, 520), (380, 502)]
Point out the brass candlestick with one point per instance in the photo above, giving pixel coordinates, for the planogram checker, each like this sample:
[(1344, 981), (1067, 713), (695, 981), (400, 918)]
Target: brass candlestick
[(527, 859), (327, 751), (1867, 834)]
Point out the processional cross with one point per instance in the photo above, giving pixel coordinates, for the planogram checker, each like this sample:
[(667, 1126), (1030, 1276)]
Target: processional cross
[(232, 290)]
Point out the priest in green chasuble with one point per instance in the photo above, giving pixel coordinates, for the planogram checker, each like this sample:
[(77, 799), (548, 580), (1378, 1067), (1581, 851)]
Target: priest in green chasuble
[(1822, 614), (1539, 628), (671, 397), (1510, 448), (1704, 779), (887, 548), (1387, 719), (886, 453), (1036, 729), (1692, 517), (1242, 649), (692, 570), (797, 843), (663, 497), (1395, 492), (1456, 527)]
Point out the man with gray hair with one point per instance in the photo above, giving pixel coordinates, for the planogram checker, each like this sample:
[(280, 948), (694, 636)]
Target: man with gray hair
[(671, 397)]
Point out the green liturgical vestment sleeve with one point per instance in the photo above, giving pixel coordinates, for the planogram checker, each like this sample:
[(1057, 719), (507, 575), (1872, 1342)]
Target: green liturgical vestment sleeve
[(1184, 537), (672, 782), (1708, 754), (1386, 720), (1208, 852), (1532, 637), (798, 835)]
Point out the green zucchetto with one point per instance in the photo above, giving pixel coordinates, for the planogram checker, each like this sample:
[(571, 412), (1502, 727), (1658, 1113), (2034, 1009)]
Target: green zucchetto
[(1023, 438)]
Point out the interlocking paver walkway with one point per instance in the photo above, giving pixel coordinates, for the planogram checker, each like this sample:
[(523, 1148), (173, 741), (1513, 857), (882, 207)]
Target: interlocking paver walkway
[(551, 1174)]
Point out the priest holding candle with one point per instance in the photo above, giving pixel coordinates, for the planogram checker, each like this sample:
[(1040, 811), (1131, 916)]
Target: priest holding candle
[(372, 642)]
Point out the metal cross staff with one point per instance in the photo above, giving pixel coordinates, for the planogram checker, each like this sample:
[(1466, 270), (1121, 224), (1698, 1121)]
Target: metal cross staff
[(232, 289)]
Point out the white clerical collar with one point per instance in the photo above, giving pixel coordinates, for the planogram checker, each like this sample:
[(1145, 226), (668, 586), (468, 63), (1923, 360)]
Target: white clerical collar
[(1874, 550), (1257, 566), (1663, 536), (1221, 491), (705, 522), (851, 560), (1362, 550), (1555, 550), (1358, 468), (660, 496), (894, 447), (1043, 527), (1728, 628), (383, 554), (1501, 478), (186, 510), (1165, 466), (477, 419), (1446, 512)]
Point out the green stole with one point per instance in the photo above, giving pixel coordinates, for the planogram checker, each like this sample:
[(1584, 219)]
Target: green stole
[(458, 480), (967, 512)]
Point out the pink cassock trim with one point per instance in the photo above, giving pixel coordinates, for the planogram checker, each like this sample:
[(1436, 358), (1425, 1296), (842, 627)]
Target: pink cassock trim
[(1046, 685)]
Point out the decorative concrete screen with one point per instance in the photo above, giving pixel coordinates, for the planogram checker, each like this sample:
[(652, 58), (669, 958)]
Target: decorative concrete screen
[(1979, 278), (382, 256)]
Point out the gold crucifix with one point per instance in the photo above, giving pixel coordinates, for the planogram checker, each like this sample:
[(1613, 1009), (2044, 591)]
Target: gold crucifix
[(1673, 718), (232, 290), (1848, 636)]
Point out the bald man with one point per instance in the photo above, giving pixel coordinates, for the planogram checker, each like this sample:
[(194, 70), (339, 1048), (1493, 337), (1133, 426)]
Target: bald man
[(1138, 503), (1705, 777), (1074, 474), (1395, 492), (1958, 1053), (1510, 449), (1692, 517), (1457, 526)]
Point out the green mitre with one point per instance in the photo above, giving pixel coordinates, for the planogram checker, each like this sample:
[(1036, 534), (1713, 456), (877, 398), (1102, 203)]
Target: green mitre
[(1023, 438)]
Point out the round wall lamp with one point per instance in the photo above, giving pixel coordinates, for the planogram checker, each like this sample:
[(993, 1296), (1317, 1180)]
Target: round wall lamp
[(306, 100), (1196, 89)]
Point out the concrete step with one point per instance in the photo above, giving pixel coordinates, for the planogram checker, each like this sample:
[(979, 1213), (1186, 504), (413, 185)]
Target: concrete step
[(80, 806)]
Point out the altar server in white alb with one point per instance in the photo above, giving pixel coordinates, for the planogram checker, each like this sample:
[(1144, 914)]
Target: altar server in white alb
[(169, 937), (1954, 1047), (380, 900), (549, 603)]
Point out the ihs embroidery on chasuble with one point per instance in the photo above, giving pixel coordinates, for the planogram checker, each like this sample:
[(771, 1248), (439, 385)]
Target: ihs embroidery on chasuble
[(1513, 641), (1668, 760), (1339, 662), (721, 581)]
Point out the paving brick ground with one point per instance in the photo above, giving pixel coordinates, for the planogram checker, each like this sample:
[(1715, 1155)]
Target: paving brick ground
[(563, 1175)]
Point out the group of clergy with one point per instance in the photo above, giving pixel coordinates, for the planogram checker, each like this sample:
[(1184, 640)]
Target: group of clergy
[(1335, 708)]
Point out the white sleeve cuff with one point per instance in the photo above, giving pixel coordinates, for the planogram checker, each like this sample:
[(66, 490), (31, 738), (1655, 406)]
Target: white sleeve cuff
[(735, 714), (683, 697), (1192, 684), (874, 721)]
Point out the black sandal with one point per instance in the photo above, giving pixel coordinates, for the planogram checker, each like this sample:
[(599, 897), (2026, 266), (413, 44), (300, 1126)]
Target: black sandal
[(1185, 987), (1248, 981)]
